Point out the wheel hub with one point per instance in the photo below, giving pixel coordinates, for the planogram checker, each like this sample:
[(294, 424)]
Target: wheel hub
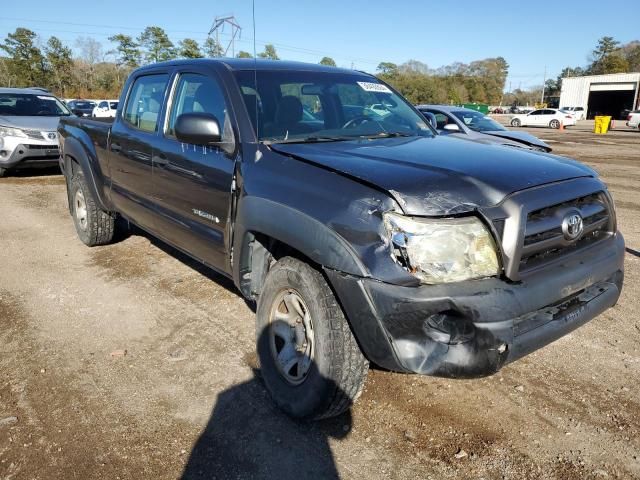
[(81, 210), (291, 336)]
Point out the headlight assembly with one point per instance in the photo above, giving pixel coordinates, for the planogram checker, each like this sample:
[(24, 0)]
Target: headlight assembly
[(11, 132), (443, 250)]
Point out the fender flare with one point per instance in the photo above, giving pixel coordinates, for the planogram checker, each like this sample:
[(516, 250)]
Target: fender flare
[(75, 151), (293, 228)]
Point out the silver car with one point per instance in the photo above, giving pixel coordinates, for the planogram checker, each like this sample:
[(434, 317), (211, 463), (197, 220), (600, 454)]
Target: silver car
[(28, 123), (475, 126)]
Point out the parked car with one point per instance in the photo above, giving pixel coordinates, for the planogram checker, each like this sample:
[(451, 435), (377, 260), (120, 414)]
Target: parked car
[(105, 109), (472, 125), (361, 239), (578, 112), (544, 117), (633, 119), (81, 108), (28, 122)]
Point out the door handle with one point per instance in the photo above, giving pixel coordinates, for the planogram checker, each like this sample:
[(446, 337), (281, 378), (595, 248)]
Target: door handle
[(116, 148)]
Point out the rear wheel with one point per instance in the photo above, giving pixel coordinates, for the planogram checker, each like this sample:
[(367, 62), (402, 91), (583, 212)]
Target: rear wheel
[(554, 123), (94, 227), (516, 122), (310, 361)]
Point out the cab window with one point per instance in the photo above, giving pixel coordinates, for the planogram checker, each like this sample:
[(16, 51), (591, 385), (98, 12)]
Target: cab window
[(145, 102)]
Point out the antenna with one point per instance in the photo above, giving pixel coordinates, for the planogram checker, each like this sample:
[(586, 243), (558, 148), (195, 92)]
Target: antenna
[(255, 68), (218, 26)]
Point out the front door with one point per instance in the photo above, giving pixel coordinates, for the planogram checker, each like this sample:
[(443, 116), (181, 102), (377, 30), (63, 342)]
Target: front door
[(193, 182)]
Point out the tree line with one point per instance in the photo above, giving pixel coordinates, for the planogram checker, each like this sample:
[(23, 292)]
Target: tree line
[(92, 72)]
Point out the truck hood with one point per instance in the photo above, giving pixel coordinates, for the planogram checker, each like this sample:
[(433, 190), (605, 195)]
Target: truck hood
[(521, 137), (32, 123), (439, 175)]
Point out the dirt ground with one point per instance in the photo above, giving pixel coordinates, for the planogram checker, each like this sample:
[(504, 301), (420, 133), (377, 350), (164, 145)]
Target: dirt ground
[(186, 396)]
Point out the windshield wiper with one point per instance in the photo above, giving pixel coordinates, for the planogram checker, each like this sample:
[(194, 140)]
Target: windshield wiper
[(387, 135), (311, 139)]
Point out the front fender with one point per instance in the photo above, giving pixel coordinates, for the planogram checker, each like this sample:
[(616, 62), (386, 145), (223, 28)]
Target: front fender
[(297, 230)]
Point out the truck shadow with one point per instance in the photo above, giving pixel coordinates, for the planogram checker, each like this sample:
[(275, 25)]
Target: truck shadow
[(125, 230), (247, 436)]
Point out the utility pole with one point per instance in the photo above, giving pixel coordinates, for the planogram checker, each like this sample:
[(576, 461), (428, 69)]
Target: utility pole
[(544, 81), (219, 25)]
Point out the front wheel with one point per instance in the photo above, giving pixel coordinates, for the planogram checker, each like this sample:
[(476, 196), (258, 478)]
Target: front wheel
[(516, 122), (554, 124), (310, 361), (94, 227)]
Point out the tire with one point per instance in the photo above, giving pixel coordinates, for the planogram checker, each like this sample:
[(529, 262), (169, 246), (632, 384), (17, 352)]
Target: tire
[(554, 124), (329, 369), (3, 172), (94, 227), (516, 122)]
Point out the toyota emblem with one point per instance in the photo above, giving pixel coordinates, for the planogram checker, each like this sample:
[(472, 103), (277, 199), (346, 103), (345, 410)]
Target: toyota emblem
[(51, 136), (572, 226)]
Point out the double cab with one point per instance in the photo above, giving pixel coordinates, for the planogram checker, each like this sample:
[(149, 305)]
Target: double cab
[(360, 237)]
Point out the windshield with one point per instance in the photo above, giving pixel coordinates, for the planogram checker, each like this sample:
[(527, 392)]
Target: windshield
[(302, 106), (27, 104), (478, 121)]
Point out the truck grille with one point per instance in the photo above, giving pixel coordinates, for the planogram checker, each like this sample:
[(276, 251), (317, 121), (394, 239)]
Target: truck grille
[(544, 239)]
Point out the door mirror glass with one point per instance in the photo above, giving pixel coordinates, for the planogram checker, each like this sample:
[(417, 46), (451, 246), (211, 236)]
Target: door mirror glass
[(451, 127), (198, 128)]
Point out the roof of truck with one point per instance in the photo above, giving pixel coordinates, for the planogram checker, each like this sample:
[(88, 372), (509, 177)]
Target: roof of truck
[(257, 64)]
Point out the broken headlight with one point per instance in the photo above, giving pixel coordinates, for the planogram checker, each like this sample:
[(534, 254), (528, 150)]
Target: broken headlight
[(443, 250)]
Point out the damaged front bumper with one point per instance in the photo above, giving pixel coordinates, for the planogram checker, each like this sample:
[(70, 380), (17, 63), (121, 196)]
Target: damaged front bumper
[(473, 328)]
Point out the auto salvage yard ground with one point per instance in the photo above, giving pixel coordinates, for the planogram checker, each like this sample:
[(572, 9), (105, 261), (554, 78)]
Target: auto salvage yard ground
[(114, 360)]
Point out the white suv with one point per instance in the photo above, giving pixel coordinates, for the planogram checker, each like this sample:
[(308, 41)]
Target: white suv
[(633, 120), (105, 109)]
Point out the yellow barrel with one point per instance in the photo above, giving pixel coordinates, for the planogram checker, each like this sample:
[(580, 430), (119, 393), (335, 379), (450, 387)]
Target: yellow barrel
[(602, 124)]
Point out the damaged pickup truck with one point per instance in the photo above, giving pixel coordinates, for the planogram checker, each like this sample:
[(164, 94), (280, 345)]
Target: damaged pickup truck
[(360, 234)]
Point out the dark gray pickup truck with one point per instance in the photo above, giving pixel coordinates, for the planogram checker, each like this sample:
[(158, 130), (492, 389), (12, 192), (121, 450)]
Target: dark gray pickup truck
[(360, 234)]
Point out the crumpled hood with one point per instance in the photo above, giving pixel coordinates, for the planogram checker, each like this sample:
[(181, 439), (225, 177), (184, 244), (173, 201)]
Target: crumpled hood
[(522, 137), (439, 175), (49, 124)]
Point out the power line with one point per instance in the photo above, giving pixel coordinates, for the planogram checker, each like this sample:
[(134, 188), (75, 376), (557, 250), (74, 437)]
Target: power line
[(280, 46)]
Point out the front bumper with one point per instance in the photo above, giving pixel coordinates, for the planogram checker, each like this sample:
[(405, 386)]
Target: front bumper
[(28, 154), (474, 328)]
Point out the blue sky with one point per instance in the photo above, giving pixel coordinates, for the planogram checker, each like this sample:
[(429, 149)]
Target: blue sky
[(358, 32)]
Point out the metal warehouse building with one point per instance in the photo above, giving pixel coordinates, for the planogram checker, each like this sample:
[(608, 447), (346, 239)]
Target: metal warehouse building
[(602, 94)]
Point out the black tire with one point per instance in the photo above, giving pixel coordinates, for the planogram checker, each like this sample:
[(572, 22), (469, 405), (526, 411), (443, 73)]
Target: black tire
[(3, 172), (338, 369), (515, 122), (554, 124), (98, 227)]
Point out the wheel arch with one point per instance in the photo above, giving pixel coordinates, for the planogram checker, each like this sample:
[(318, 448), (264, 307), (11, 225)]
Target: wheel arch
[(75, 158), (267, 230)]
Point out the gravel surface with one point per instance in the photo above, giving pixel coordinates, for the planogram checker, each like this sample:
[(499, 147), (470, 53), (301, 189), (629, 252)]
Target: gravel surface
[(131, 361)]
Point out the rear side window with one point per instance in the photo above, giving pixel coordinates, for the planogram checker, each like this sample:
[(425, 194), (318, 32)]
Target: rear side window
[(145, 102)]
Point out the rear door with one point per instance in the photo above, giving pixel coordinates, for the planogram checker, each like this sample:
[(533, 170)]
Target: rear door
[(132, 139), (193, 182)]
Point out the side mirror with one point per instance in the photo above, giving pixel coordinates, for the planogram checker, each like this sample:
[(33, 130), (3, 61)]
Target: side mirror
[(451, 127), (198, 129)]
